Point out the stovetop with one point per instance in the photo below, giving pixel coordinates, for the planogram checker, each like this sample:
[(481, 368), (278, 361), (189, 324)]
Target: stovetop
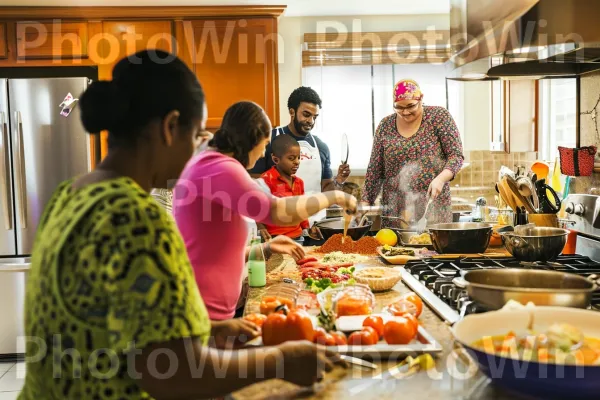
[(432, 279)]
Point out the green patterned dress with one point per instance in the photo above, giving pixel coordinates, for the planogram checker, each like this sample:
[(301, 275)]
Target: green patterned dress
[(109, 273)]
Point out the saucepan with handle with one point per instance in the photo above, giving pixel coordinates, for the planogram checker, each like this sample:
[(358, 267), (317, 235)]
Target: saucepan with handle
[(539, 244)]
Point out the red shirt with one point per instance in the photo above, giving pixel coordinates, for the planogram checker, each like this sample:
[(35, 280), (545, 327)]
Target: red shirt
[(280, 188)]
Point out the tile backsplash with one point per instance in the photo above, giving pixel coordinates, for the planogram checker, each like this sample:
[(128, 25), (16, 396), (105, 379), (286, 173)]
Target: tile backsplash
[(484, 167)]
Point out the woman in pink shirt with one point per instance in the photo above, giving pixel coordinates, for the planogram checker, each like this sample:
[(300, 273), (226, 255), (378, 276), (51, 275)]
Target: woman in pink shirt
[(215, 196)]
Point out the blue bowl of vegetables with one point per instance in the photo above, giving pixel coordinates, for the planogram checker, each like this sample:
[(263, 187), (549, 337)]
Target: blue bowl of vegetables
[(542, 352)]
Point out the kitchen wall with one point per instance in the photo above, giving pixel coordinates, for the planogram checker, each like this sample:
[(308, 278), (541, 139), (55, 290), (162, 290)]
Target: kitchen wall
[(589, 130), (291, 37)]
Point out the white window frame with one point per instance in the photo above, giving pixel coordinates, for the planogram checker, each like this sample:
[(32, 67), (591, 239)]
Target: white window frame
[(383, 78)]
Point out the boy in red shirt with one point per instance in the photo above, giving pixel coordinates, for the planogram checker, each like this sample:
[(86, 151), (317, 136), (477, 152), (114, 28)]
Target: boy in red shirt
[(282, 182)]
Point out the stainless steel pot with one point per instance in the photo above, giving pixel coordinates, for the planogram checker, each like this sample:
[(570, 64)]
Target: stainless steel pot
[(535, 244), (493, 288), (460, 238)]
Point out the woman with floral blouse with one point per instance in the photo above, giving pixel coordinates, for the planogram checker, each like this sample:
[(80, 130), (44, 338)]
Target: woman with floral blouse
[(416, 152)]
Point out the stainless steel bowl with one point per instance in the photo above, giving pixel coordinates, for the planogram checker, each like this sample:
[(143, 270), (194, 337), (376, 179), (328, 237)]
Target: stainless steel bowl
[(460, 238), (494, 287), (535, 244)]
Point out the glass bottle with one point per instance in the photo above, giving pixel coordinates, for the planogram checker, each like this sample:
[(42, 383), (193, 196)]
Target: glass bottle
[(257, 268)]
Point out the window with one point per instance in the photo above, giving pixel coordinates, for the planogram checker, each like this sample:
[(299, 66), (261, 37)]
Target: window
[(558, 116), (456, 105), (357, 97)]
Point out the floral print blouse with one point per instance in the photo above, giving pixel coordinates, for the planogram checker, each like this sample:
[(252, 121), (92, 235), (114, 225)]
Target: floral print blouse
[(403, 168)]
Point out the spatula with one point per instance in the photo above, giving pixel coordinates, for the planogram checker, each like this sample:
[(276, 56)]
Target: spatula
[(422, 223)]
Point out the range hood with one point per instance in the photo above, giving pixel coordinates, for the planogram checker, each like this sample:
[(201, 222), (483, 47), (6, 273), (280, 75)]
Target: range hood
[(523, 39)]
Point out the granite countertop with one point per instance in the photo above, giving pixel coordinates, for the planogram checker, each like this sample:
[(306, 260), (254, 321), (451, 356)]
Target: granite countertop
[(453, 378)]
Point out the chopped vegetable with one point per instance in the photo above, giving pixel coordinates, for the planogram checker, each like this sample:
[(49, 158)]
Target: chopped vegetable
[(559, 344), (390, 251), (337, 257), (327, 320), (305, 260)]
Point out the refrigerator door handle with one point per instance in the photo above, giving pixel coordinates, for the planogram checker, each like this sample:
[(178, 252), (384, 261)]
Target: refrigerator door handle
[(5, 174), (21, 172)]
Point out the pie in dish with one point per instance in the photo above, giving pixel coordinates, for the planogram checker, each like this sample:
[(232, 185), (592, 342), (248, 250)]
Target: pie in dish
[(378, 278)]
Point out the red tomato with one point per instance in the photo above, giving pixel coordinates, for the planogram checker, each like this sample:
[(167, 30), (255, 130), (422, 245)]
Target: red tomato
[(374, 336), (375, 322), (289, 325), (398, 331), (416, 300), (257, 319), (414, 321), (324, 338), (360, 338), (340, 338), (402, 308)]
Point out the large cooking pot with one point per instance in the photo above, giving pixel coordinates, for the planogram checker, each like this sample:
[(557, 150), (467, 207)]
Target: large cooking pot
[(460, 238), (535, 244), (492, 288), (330, 227)]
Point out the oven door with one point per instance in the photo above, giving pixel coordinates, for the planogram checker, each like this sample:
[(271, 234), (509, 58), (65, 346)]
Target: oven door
[(589, 247)]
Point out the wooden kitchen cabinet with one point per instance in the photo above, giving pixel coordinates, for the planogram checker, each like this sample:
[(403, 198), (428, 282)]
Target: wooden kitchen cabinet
[(100, 36), (123, 38), (3, 45), (51, 40), (235, 60)]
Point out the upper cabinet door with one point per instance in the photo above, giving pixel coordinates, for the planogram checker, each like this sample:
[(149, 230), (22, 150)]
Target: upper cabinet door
[(124, 38), (235, 60), (52, 40), (3, 46)]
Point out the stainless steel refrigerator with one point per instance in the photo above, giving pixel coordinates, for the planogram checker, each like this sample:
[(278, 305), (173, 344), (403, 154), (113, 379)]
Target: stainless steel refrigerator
[(39, 148)]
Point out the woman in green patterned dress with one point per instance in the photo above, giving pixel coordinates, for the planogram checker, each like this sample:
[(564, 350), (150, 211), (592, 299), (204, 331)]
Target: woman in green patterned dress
[(112, 307)]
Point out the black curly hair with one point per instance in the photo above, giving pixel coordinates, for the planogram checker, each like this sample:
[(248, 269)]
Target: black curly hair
[(244, 125), (303, 94)]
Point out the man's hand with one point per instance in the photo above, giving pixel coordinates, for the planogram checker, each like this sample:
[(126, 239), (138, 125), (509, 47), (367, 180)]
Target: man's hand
[(233, 333), (284, 245), (343, 173)]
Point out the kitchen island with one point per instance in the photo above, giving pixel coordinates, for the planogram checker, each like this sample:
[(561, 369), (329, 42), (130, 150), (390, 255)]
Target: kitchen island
[(452, 378)]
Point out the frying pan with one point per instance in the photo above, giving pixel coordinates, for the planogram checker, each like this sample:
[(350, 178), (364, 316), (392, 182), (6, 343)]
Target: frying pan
[(330, 227), (493, 288)]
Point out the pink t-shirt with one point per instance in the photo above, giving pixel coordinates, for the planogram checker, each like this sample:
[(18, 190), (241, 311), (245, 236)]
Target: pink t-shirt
[(210, 201)]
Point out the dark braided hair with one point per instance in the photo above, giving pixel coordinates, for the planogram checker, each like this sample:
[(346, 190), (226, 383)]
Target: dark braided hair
[(146, 86), (244, 126), (303, 94)]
